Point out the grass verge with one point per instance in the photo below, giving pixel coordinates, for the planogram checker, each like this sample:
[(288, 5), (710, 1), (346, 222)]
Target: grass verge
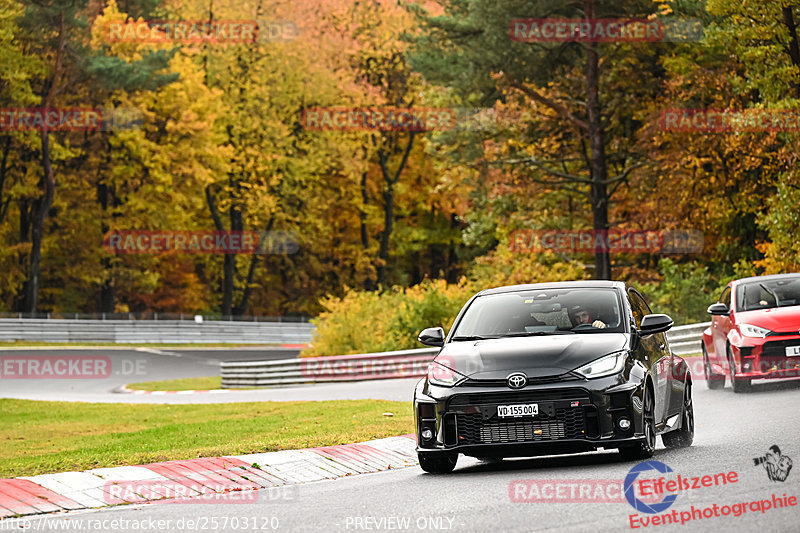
[(205, 383), (45, 437)]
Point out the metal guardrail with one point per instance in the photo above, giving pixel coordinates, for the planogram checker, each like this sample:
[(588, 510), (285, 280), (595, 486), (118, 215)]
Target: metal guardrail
[(384, 365), (155, 316), (148, 331), (684, 340), (359, 367)]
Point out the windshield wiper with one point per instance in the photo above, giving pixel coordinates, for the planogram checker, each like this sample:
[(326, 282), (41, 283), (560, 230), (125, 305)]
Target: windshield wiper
[(538, 333), (777, 302), (472, 338)]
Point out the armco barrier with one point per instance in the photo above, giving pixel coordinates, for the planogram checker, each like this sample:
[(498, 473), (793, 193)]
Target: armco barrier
[(152, 331), (684, 340), (359, 367), (384, 365)]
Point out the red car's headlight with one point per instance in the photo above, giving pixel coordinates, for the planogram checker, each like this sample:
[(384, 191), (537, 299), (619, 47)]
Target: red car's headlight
[(749, 330)]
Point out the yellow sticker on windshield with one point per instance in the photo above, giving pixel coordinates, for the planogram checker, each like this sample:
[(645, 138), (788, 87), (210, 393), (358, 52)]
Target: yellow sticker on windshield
[(529, 301)]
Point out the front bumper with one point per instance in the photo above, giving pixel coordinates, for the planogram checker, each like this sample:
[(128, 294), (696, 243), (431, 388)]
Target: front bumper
[(576, 416), (766, 358)]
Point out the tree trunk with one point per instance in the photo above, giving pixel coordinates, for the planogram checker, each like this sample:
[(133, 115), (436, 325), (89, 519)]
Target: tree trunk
[(42, 207), (47, 183), (242, 307), (599, 171), (388, 202), (388, 221), (229, 262), (793, 46), (4, 201)]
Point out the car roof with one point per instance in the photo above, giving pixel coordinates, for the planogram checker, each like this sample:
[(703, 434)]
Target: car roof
[(767, 278), (584, 284)]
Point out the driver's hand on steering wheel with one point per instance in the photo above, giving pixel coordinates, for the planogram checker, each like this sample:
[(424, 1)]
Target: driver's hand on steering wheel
[(599, 324)]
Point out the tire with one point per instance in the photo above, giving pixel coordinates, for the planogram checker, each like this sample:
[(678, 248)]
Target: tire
[(437, 463), (738, 385), (713, 381), (683, 437), (645, 448)]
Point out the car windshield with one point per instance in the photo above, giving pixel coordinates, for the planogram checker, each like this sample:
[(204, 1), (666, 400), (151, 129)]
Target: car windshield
[(541, 312), (767, 294)]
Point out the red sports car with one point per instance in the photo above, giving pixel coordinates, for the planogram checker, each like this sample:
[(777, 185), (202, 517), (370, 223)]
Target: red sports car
[(754, 333)]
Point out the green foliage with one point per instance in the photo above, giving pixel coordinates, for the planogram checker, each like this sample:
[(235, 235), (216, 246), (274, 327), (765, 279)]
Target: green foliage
[(227, 120), (366, 322), (685, 292)]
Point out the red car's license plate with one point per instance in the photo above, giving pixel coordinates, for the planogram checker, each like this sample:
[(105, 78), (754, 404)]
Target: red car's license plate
[(792, 351)]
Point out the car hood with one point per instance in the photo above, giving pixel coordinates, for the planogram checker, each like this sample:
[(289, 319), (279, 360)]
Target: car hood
[(783, 319), (537, 357)]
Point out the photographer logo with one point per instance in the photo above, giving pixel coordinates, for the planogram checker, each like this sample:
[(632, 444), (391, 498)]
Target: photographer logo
[(777, 466)]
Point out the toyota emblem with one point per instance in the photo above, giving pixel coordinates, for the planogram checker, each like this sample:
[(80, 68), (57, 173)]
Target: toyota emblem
[(517, 381)]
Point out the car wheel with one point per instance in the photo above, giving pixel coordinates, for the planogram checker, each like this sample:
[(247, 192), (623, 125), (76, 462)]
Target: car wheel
[(737, 384), (713, 381), (683, 437), (645, 448), (439, 463)]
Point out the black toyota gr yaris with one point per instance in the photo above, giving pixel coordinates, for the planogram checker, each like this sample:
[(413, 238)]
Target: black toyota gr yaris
[(552, 368)]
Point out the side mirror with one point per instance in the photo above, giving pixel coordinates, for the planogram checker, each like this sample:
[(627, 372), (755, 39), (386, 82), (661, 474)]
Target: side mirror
[(652, 324), (432, 337), (719, 309)]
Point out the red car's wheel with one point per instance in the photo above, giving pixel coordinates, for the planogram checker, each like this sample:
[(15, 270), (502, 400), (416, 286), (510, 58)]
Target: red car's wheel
[(713, 381), (737, 384)]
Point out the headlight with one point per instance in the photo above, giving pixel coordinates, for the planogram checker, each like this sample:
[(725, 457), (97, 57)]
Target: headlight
[(443, 376), (748, 330), (605, 366)]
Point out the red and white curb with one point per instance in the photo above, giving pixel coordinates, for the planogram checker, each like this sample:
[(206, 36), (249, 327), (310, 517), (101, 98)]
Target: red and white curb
[(193, 479)]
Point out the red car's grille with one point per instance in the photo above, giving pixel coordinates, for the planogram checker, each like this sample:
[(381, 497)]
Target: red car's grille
[(777, 349)]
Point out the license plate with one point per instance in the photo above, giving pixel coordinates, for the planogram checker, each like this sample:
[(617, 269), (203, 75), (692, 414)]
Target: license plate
[(513, 411), (792, 351)]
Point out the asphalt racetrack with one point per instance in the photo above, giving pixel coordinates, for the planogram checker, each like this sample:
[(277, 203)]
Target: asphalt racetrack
[(731, 431)]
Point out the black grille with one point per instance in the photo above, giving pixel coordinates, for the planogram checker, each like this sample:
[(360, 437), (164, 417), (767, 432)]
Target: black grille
[(531, 381), (521, 396), (777, 349), (566, 424)]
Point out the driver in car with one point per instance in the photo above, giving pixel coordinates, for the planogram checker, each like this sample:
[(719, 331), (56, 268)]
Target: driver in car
[(585, 315)]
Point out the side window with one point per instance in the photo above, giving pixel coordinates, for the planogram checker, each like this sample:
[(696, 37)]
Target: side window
[(638, 307), (645, 308), (725, 298)]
